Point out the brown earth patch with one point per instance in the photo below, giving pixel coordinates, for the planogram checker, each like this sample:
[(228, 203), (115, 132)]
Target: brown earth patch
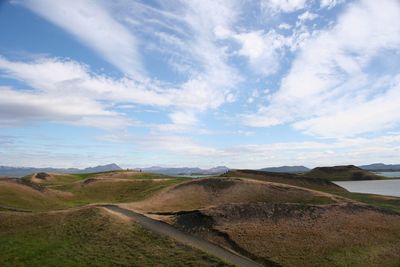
[(348, 234)]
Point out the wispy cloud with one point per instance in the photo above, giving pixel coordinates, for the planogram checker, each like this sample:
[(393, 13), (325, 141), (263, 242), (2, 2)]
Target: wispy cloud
[(331, 82), (297, 66), (93, 25), (23, 108), (190, 29)]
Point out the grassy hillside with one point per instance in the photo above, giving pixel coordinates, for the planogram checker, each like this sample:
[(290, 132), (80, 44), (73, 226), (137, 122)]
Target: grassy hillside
[(290, 219), (55, 179), (15, 194), (276, 222), (342, 173), (201, 193), (319, 184), (88, 237), (106, 190), (45, 192), (286, 178)]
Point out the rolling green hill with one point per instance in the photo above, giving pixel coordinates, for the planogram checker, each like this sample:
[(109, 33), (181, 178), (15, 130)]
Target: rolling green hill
[(44, 191), (342, 173)]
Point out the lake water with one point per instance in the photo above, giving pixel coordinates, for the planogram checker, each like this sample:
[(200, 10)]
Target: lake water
[(379, 187), (389, 174)]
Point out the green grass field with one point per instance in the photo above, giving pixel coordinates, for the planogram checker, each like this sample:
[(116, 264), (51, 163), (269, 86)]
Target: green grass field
[(88, 237), (114, 191)]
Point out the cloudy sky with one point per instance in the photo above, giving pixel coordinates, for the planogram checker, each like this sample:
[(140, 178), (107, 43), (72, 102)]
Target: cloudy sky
[(241, 83)]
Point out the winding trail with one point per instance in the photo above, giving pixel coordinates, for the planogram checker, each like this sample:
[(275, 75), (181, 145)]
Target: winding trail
[(167, 230)]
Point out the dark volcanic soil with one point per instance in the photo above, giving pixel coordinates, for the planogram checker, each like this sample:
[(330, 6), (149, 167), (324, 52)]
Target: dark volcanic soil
[(298, 234)]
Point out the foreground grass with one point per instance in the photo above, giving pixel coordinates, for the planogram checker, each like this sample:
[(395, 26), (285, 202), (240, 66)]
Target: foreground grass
[(88, 237)]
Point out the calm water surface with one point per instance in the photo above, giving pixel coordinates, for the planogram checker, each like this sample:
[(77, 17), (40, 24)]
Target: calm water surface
[(379, 187), (389, 174)]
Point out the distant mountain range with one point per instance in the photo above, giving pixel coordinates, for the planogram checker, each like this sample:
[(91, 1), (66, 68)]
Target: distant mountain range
[(381, 167), (185, 170), (371, 167), (188, 171), (287, 169), (22, 171)]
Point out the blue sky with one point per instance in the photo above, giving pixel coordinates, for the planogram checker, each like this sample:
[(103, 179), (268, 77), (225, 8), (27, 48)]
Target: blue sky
[(246, 84)]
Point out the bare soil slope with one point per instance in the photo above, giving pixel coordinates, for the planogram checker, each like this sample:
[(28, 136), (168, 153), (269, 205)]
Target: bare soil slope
[(301, 235)]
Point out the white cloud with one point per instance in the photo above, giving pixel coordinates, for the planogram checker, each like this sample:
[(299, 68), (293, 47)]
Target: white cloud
[(263, 50), (284, 26), (93, 25), (221, 32), (211, 79), (67, 76), (181, 121), (283, 5), (21, 108), (330, 82), (70, 77), (307, 16), (377, 114), (185, 118), (338, 85)]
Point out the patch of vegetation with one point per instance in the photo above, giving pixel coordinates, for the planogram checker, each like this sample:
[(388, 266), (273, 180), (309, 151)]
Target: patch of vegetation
[(392, 203), (113, 191), (63, 191), (342, 173), (358, 255), (122, 174), (83, 176), (286, 178), (18, 196), (89, 237)]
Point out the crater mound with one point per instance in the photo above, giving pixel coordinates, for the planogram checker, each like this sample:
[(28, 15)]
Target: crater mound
[(201, 193), (293, 234), (342, 173)]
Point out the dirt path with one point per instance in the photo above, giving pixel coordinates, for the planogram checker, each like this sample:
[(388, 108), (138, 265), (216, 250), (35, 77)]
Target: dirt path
[(167, 230)]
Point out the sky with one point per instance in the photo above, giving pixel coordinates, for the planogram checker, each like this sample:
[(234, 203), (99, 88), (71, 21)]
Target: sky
[(240, 83)]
